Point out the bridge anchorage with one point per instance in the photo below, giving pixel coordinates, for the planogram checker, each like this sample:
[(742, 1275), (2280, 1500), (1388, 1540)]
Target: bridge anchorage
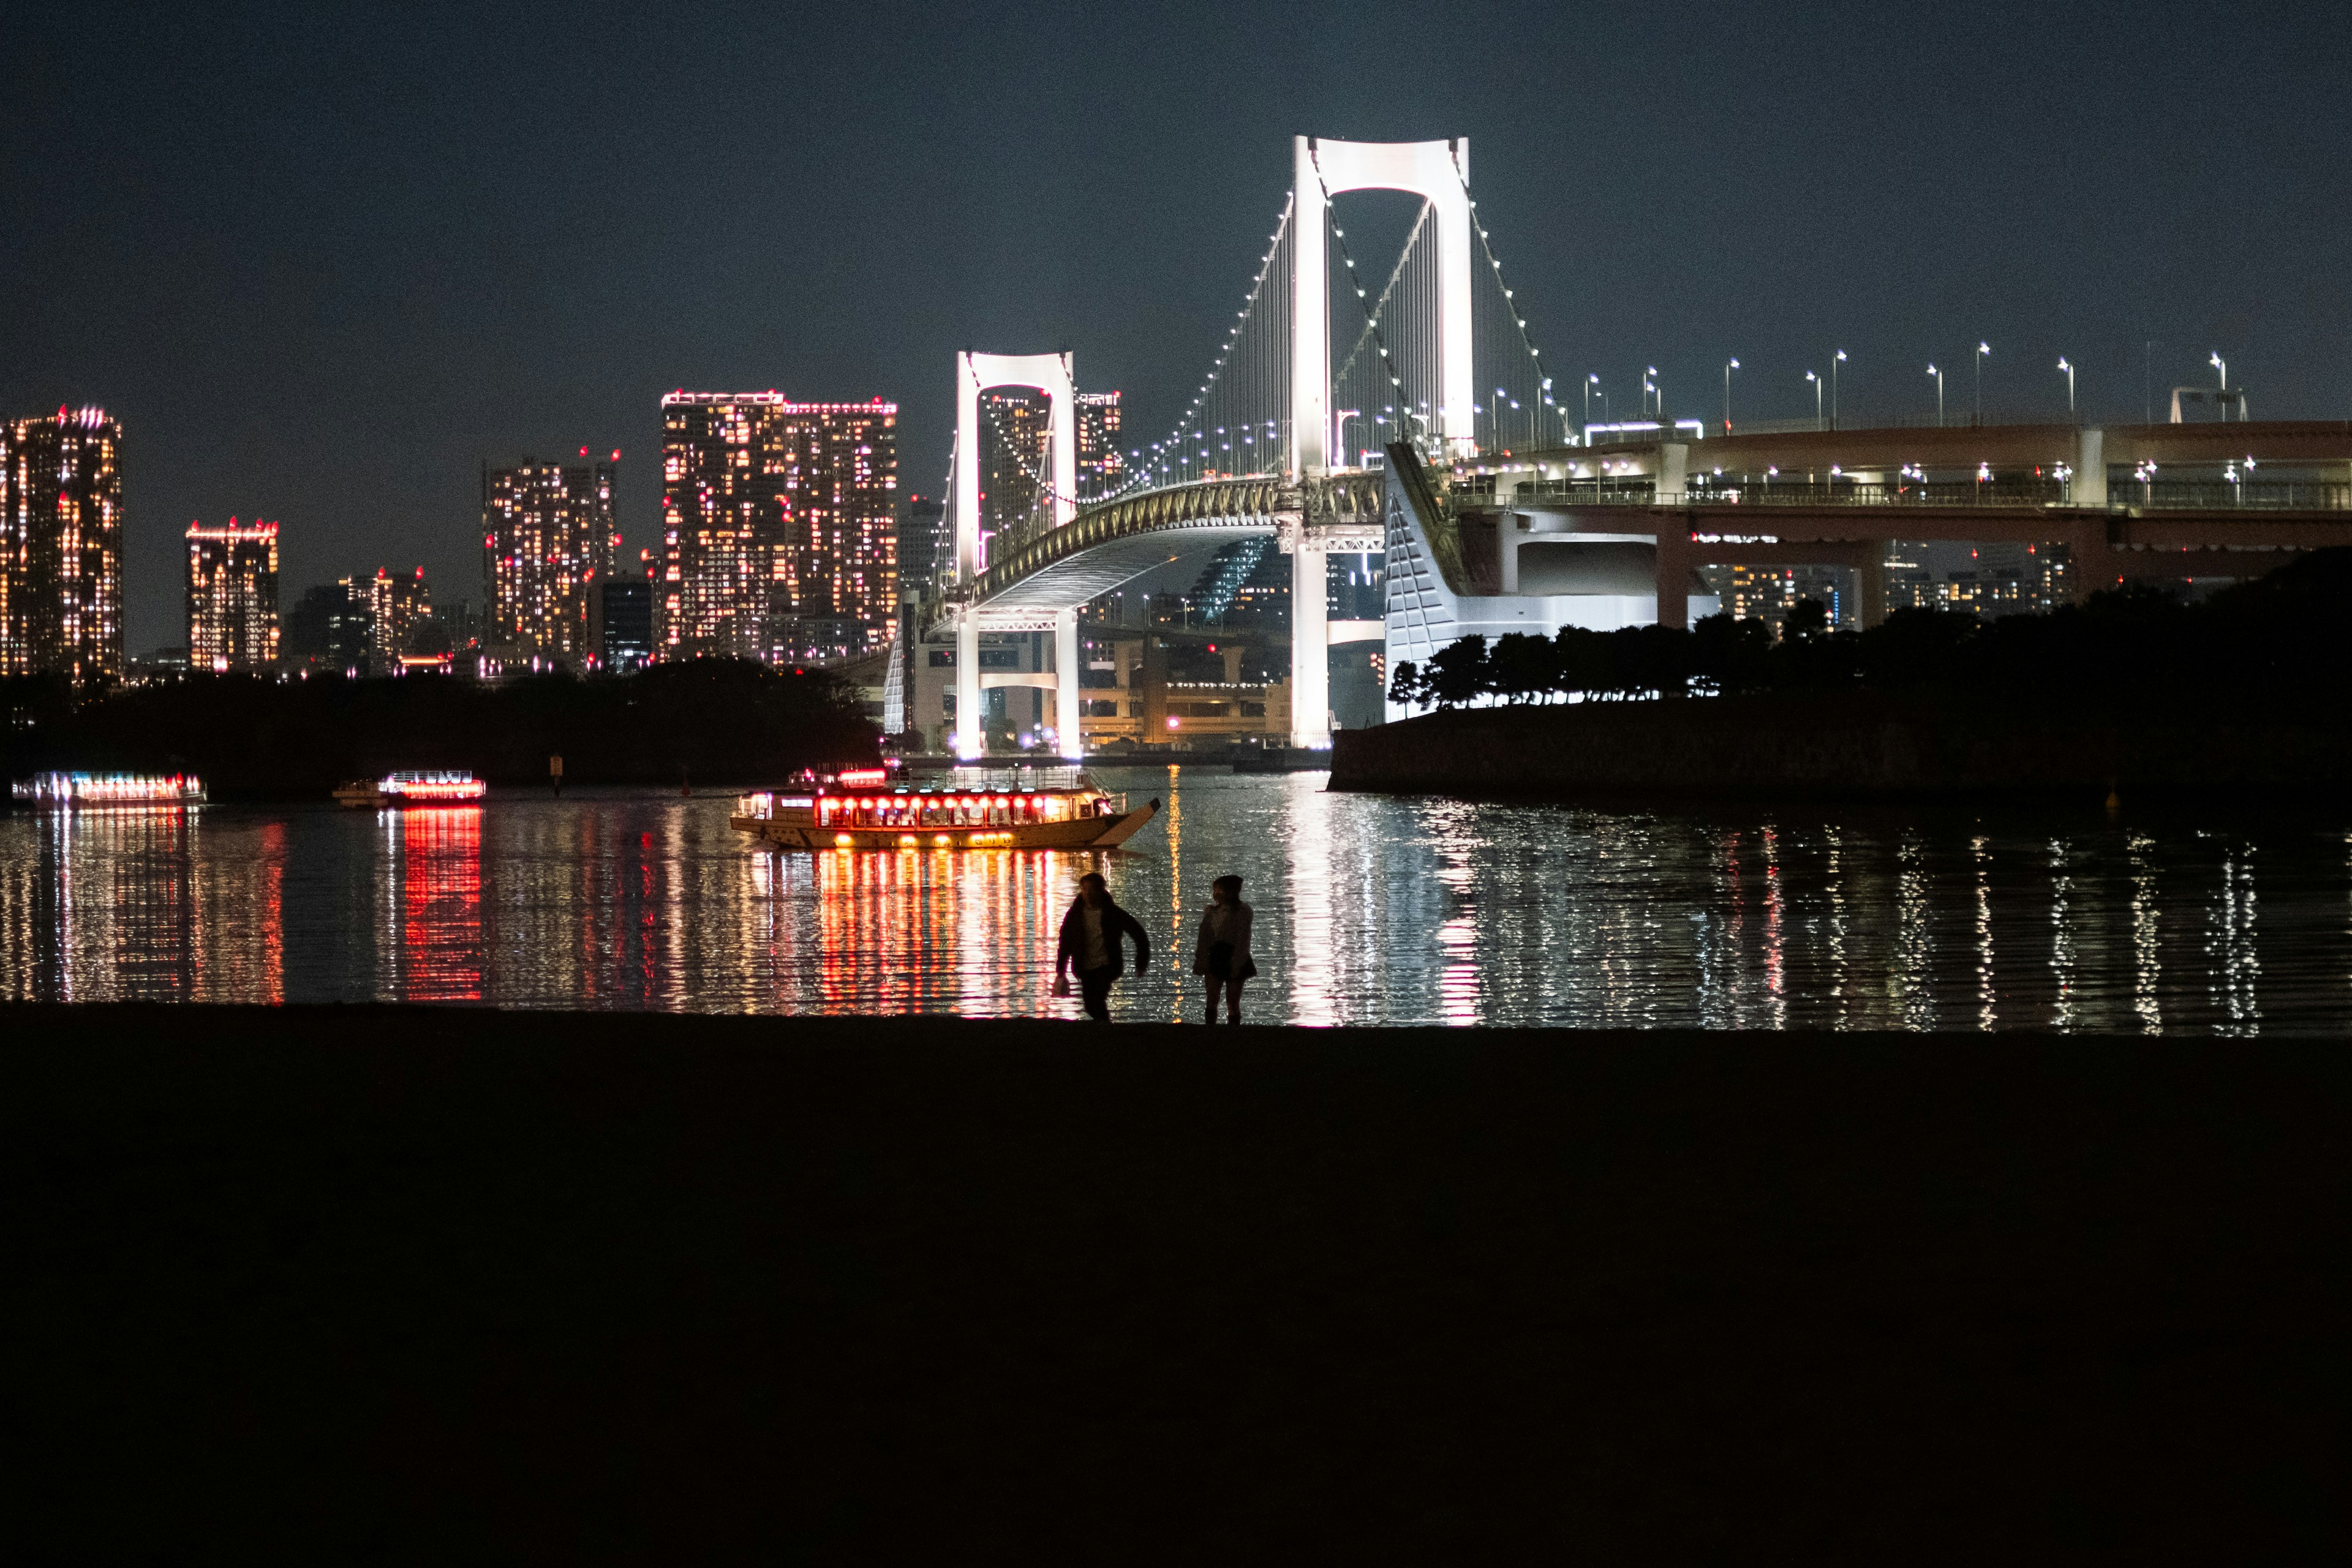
[(1434, 443)]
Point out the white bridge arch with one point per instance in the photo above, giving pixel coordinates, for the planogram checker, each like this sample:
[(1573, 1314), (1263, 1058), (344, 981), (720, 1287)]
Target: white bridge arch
[(1438, 173)]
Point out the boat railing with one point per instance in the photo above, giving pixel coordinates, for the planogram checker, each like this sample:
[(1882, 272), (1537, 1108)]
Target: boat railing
[(1022, 779)]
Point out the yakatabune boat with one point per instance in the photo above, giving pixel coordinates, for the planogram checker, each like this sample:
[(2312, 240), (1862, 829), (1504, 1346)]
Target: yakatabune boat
[(439, 787), (966, 808)]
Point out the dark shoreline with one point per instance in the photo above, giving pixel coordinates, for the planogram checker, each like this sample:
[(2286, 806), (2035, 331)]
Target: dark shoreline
[(1857, 746), (561, 1286)]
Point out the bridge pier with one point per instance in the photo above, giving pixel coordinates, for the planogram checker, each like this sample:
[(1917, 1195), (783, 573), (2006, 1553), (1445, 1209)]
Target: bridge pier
[(1311, 648), (971, 732), (1674, 562), (1069, 720)]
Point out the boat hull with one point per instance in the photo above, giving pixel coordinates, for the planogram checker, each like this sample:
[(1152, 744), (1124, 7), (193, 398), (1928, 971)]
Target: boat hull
[(1081, 833)]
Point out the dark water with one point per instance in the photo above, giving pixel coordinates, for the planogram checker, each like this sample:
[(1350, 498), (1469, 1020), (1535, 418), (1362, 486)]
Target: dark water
[(1368, 910)]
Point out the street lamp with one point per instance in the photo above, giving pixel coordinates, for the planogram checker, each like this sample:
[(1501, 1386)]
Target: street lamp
[(1982, 350), (1939, 395), (1833, 365), (1339, 431), (1729, 366), (2069, 388), (1650, 384), (1591, 381), (1817, 398)]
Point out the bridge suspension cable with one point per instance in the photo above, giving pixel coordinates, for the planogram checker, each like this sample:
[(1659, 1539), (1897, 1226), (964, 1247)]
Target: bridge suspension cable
[(1391, 392), (1400, 402), (1515, 407), (1238, 421)]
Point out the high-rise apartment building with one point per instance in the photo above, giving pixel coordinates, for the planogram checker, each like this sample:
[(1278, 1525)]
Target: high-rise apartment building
[(778, 527), (61, 545), (395, 605), (1102, 466), (232, 596), (548, 535)]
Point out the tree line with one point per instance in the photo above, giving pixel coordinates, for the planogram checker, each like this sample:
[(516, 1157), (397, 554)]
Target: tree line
[(2276, 638), (716, 721)]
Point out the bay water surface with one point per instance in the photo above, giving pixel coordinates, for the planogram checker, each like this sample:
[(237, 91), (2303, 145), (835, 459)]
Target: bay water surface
[(1369, 910)]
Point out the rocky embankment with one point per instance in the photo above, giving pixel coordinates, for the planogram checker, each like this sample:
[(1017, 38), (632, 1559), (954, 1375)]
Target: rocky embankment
[(1852, 744)]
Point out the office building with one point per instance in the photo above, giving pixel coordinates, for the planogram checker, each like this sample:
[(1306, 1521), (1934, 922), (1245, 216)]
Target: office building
[(548, 536), (232, 596), (1986, 581), (625, 623), (925, 553), (1102, 466), (778, 527), (61, 545), (396, 607), (328, 630), (1769, 593)]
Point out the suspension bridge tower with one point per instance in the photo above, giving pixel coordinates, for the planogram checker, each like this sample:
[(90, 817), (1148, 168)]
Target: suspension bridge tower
[(1438, 173)]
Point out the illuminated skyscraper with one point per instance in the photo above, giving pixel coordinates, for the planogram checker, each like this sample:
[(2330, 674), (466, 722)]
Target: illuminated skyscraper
[(1102, 466), (232, 596), (779, 532), (61, 545), (840, 471), (548, 533), (396, 604)]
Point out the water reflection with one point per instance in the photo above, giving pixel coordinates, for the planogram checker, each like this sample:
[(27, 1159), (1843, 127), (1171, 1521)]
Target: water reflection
[(1368, 910)]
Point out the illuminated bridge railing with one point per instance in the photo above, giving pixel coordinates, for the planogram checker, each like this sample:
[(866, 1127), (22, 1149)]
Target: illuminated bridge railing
[(1255, 501), (2220, 495), (2123, 494)]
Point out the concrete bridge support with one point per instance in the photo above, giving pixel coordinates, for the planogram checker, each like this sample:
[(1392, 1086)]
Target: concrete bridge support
[(1069, 710), (970, 730), (1311, 648)]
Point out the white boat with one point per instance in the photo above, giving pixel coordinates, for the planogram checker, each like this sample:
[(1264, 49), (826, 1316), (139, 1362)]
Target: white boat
[(432, 786), (973, 807)]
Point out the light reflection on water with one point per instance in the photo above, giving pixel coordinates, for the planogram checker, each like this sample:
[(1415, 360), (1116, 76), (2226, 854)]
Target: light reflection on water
[(1369, 910)]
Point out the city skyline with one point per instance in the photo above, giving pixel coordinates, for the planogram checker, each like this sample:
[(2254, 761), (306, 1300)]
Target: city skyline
[(331, 288)]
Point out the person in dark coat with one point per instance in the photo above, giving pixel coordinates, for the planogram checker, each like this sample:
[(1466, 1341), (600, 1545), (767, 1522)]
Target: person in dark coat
[(1222, 953), (1090, 944)]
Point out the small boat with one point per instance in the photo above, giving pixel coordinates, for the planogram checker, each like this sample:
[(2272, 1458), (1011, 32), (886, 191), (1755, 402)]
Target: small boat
[(964, 809), (433, 787), (69, 791)]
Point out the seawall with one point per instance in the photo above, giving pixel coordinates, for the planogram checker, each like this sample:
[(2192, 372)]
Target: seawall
[(1853, 744)]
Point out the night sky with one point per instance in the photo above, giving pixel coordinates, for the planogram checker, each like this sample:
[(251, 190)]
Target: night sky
[(324, 261)]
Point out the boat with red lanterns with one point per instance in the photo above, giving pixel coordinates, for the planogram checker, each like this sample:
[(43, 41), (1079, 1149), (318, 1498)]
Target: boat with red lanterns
[(972, 807), (432, 786)]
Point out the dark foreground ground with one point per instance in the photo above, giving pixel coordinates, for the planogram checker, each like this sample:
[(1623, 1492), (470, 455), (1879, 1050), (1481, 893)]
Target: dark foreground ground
[(362, 1285)]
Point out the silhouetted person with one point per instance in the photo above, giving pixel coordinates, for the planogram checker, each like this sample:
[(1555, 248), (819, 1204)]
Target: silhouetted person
[(1222, 953), (1090, 944)]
